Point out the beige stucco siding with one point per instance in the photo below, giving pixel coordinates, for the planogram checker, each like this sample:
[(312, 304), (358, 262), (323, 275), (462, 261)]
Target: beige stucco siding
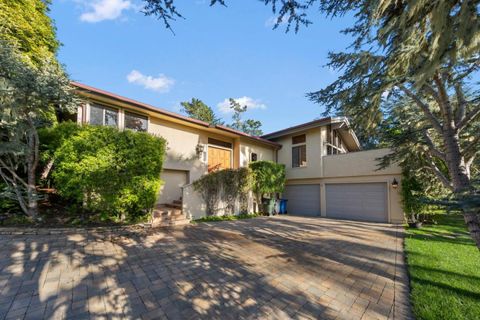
[(314, 164), (181, 144), (263, 153), (353, 164)]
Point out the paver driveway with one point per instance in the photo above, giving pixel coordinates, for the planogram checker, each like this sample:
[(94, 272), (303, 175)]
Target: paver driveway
[(282, 267)]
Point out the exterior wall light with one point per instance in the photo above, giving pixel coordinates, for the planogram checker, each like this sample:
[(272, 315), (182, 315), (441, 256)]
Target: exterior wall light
[(394, 183), (199, 149)]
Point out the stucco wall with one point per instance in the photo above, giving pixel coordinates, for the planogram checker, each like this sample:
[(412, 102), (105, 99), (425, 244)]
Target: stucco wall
[(263, 153), (352, 164), (314, 164), (194, 207)]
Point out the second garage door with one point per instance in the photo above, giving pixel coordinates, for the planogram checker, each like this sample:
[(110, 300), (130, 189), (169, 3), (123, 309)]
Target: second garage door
[(357, 201), (303, 199)]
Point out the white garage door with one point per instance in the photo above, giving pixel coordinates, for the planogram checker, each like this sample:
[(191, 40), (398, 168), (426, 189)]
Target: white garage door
[(303, 199), (171, 190), (357, 201)]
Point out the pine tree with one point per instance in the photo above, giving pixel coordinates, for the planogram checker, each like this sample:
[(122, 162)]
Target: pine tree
[(196, 109)]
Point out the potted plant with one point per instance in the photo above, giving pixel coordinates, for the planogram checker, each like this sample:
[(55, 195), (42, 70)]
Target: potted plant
[(268, 179)]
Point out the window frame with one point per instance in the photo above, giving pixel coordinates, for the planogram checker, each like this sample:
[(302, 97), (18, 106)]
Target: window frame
[(297, 149), (138, 115), (104, 109)]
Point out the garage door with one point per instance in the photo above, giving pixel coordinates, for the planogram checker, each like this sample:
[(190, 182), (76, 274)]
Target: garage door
[(172, 187), (357, 201), (303, 200)]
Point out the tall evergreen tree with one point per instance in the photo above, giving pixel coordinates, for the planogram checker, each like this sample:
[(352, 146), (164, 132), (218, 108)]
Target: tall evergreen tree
[(250, 126), (196, 109), (26, 26)]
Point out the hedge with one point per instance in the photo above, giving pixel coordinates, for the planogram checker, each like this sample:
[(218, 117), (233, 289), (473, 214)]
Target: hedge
[(105, 170)]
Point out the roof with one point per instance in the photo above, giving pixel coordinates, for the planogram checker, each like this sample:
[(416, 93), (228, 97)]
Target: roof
[(342, 121), (84, 87)]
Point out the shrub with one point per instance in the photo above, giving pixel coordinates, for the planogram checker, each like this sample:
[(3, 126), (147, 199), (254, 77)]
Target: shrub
[(268, 178), (116, 173), (229, 185), (411, 192)]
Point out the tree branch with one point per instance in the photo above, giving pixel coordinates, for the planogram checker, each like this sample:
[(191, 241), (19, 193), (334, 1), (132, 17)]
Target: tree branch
[(4, 166), (468, 118), (462, 103), (431, 146), (444, 101), (439, 174), (425, 108)]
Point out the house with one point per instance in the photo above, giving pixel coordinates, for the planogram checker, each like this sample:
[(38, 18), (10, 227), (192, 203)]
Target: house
[(327, 173)]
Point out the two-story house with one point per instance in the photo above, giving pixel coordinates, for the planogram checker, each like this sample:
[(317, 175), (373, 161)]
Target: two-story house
[(327, 174)]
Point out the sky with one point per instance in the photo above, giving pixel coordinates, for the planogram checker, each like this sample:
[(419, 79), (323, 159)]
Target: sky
[(216, 53)]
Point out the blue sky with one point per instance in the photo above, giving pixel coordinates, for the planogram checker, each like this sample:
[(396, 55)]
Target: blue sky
[(216, 53)]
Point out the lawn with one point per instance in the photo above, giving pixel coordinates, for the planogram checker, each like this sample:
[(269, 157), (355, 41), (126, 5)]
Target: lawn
[(444, 267)]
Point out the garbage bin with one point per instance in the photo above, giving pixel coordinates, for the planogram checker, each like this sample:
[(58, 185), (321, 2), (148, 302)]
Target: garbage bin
[(283, 206), (269, 205)]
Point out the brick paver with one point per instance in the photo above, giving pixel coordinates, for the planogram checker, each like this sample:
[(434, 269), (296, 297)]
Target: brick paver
[(266, 268)]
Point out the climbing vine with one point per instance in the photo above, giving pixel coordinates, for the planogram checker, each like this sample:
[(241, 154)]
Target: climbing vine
[(229, 185)]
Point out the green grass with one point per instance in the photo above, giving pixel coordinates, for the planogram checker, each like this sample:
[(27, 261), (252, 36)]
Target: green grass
[(227, 217), (444, 268)]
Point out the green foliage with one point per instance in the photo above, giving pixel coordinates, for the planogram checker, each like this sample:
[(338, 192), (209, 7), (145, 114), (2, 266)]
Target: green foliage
[(28, 96), (411, 192), (26, 25), (268, 177), (196, 109), (250, 126), (227, 217), (113, 172), (443, 267), (228, 185)]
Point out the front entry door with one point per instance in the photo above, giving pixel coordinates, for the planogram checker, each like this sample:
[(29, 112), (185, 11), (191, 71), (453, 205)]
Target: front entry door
[(219, 158)]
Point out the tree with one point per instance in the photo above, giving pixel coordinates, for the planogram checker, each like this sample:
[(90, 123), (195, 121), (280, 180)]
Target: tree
[(26, 26), (420, 54), (196, 109), (250, 126), (27, 98)]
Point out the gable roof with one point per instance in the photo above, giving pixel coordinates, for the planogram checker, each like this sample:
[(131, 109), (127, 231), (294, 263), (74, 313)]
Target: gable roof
[(86, 88), (342, 125)]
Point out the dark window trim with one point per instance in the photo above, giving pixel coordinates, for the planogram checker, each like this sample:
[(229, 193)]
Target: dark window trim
[(220, 143)]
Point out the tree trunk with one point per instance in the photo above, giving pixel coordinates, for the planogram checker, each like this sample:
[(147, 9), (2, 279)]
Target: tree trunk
[(461, 182), (32, 163), (472, 219)]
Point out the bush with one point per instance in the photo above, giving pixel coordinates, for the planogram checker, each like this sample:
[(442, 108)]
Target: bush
[(268, 178), (116, 173), (229, 185)]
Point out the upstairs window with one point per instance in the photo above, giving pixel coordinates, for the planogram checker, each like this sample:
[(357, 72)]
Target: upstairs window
[(253, 157), (299, 151), (136, 122), (103, 116)]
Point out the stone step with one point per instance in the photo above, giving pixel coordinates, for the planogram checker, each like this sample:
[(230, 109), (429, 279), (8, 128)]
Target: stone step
[(165, 212), (173, 223), (173, 205)]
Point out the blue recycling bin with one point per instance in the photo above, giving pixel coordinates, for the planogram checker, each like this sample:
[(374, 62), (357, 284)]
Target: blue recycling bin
[(283, 206)]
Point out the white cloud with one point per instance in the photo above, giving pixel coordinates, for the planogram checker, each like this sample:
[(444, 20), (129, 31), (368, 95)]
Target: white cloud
[(162, 83), (251, 103), (99, 10), (272, 21)]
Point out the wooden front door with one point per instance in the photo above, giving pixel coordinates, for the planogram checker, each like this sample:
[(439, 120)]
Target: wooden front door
[(219, 158)]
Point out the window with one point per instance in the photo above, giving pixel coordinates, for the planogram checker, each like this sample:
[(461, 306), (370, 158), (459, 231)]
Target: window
[(220, 143), (103, 116), (299, 151), (253, 157), (135, 122)]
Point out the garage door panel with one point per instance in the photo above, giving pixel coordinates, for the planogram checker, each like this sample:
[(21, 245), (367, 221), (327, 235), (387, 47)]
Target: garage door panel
[(357, 201), (303, 199)]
